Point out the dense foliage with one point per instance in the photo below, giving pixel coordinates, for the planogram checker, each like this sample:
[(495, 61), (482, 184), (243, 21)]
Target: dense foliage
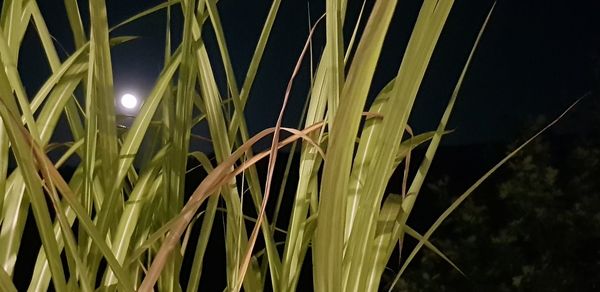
[(538, 229)]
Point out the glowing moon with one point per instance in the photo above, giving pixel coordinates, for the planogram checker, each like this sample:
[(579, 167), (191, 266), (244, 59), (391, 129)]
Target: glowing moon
[(129, 101)]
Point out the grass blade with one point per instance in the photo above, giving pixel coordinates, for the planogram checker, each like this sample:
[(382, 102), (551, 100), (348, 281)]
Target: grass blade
[(6, 283), (416, 235), (31, 182), (329, 237), (475, 185)]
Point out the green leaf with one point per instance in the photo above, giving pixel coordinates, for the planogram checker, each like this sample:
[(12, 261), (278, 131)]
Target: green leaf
[(329, 236), (358, 258), (6, 283), (413, 233), (33, 186)]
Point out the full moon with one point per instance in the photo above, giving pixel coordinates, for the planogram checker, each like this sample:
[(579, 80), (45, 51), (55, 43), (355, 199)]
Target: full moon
[(129, 101)]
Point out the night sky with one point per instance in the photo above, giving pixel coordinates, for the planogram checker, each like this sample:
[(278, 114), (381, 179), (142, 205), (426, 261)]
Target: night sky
[(536, 57)]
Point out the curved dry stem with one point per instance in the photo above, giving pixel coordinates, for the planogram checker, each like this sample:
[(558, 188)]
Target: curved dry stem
[(218, 177)]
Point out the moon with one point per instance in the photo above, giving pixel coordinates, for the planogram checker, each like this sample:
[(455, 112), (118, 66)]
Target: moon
[(129, 101)]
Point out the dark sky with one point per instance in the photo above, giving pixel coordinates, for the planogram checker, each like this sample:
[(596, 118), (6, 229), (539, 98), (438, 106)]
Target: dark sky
[(536, 57)]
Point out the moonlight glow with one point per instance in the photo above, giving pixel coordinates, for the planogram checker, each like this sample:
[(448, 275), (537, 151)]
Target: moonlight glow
[(129, 101)]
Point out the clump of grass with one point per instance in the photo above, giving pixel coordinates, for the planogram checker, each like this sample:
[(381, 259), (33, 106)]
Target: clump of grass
[(133, 218)]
